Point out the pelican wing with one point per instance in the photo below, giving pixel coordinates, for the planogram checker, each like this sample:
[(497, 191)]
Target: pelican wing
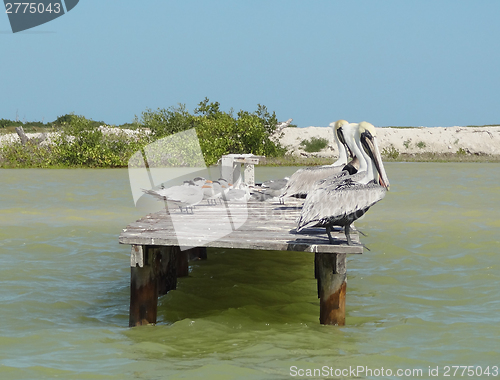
[(302, 181), (333, 179), (338, 202)]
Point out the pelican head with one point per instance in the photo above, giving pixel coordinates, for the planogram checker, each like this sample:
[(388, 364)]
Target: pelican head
[(339, 134), (368, 135)]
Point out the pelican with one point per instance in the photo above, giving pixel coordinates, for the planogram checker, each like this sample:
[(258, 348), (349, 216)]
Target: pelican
[(341, 202), (302, 181), (351, 135)]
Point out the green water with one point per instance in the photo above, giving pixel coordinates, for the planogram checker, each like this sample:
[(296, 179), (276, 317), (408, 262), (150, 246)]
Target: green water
[(426, 294)]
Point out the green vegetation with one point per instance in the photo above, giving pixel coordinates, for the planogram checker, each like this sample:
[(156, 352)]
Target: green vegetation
[(219, 132), (391, 152), (315, 144), (421, 144), (81, 143)]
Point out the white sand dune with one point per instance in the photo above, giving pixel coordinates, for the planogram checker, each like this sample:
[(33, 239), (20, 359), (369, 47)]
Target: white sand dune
[(474, 140)]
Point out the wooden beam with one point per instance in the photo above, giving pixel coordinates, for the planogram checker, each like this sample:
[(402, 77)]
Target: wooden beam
[(330, 270)]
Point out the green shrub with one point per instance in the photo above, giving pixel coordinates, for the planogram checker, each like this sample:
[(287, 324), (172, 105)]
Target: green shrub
[(164, 122), (16, 155), (81, 142), (421, 144), (315, 144), (407, 143), (4, 123), (390, 152), (218, 132), (225, 134)]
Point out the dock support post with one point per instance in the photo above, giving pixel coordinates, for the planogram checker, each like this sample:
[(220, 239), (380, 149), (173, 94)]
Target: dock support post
[(143, 290), (330, 270), (153, 273)]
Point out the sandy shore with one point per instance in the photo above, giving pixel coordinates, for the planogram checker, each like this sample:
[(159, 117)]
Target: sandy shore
[(471, 140)]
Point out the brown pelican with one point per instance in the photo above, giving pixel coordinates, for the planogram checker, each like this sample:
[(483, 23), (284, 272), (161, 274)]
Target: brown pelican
[(302, 181), (340, 202), (351, 134)]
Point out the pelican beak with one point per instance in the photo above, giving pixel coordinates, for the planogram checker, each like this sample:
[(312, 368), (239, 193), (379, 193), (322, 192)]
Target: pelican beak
[(340, 136), (371, 146)]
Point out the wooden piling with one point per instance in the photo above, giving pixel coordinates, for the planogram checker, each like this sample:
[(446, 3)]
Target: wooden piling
[(156, 276), (332, 285), (143, 291)]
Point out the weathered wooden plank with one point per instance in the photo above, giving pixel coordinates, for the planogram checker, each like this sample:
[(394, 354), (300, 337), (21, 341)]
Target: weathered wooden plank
[(268, 226)]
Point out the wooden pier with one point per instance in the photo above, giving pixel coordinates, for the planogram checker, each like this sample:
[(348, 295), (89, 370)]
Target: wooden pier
[(159, 255)]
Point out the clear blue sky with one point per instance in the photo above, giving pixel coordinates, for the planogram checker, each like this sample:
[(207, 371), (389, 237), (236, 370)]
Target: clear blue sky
[(411, 63)]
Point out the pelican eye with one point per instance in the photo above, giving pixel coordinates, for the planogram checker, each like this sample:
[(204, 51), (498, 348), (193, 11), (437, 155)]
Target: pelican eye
[(367, 134)]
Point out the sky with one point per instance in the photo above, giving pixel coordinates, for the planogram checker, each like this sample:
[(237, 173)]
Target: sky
[(392, 63)]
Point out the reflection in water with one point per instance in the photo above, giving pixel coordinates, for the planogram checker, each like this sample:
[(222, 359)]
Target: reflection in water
[(426, 294)]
